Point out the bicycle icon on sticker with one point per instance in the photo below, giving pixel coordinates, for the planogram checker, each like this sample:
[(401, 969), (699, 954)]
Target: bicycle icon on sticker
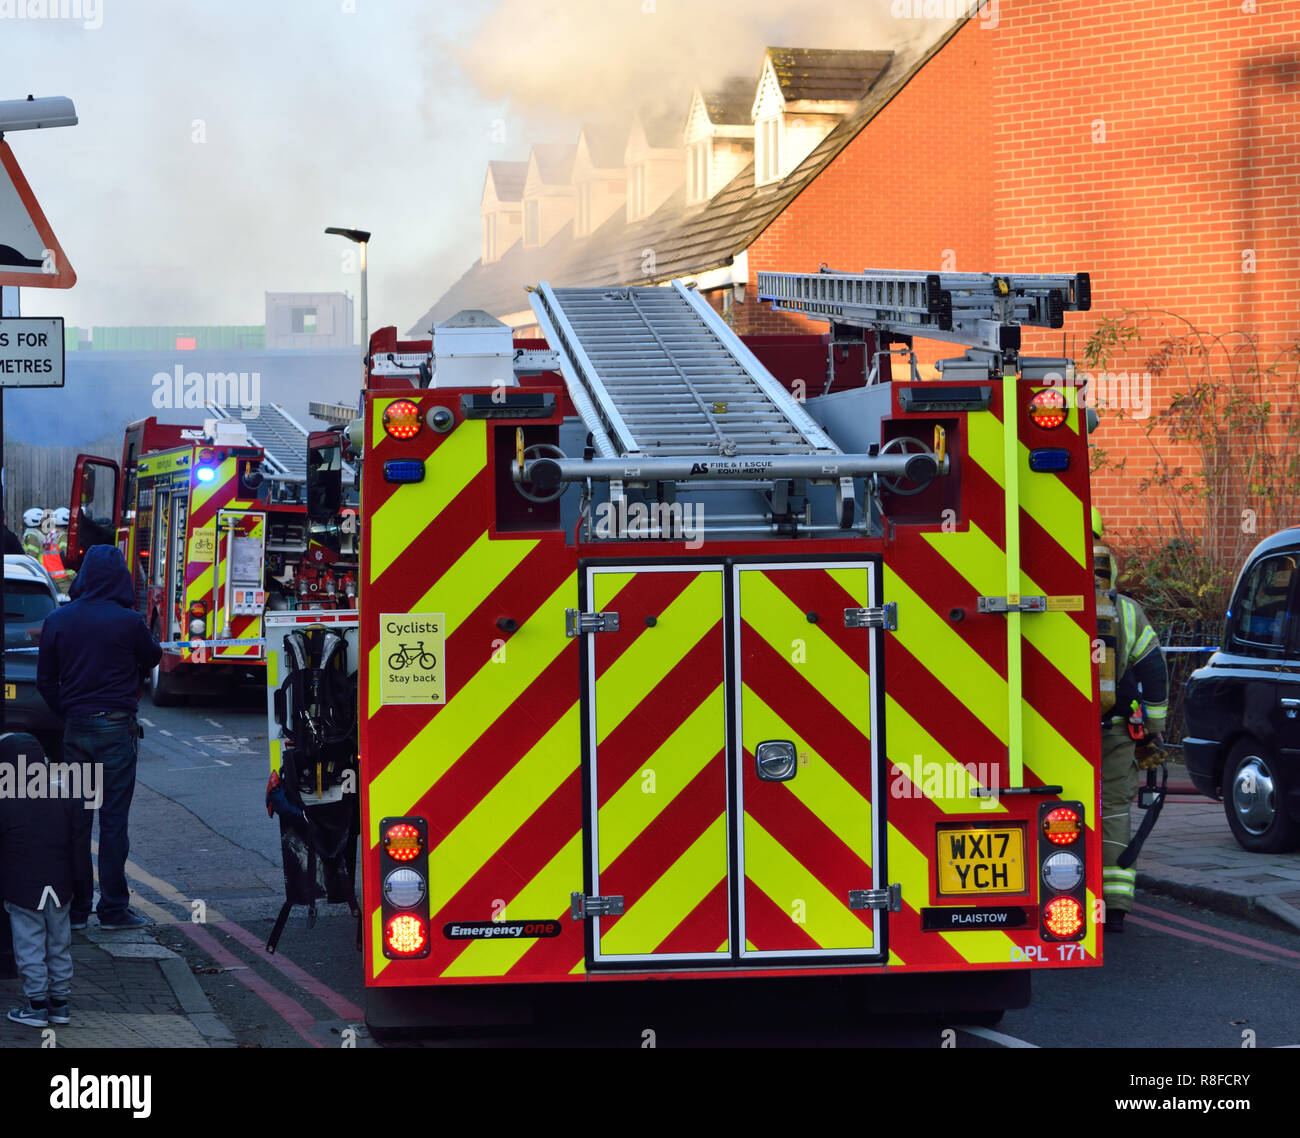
[(406, 654)]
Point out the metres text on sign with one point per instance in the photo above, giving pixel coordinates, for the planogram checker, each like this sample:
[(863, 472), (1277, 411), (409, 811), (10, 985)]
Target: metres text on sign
[(31, 351)]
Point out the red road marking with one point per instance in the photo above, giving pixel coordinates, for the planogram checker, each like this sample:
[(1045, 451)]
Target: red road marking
[(1217, 932), (288, 1009), (1212, 943), (341, 1006)]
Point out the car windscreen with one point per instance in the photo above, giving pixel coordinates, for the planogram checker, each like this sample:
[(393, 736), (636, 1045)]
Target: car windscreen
[(27, 602), (1258, 617)]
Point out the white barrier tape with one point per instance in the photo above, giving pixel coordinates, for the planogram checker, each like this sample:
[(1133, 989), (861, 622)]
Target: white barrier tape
[(1211, 648), (176, 647)]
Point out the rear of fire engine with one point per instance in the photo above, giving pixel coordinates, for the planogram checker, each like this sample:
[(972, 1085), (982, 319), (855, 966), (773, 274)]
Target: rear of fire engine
[(217, 531), (686, 656)]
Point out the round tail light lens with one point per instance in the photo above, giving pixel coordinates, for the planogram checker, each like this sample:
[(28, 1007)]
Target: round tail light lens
[(1063, 916), (1061, 826), (402, 419), (1047, 408), (402, 842), (405, 935)]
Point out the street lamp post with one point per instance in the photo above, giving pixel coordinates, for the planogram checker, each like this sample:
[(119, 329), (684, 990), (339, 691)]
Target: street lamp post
[(360, 236)]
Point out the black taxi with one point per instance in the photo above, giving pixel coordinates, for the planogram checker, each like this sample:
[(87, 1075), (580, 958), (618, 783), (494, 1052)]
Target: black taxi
[(1242, 710)]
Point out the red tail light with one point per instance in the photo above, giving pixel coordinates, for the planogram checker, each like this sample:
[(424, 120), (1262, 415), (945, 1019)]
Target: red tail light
[(405, 935), (1047, 408), (199, 608), (1063, 916)]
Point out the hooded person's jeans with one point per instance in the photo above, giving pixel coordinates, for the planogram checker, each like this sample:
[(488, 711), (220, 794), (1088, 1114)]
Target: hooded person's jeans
[(111, 741)]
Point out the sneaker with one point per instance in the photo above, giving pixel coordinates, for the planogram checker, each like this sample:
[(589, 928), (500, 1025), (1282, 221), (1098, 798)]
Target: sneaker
[(31, 1016), (58, 1012), (127, 920)]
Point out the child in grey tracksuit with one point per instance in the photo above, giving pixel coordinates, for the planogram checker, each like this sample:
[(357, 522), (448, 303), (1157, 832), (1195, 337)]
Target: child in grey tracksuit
[(39, 851)]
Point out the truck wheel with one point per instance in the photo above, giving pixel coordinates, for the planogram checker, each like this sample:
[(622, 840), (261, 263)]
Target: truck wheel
[(162, 686), (1254, 798)]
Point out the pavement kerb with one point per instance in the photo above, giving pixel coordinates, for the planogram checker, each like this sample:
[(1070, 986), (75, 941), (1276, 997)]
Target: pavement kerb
[(1265, 910)]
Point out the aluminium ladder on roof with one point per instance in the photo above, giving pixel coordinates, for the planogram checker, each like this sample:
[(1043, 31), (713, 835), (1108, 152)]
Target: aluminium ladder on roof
[(655, 373), (282, 438), (980, 310)]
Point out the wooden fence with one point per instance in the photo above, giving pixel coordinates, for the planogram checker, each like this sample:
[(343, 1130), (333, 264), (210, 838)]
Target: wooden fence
[(42, 475)]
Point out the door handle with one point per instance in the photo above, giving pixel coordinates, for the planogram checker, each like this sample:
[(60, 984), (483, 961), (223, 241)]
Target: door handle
[(1290, 706), (776, 761)]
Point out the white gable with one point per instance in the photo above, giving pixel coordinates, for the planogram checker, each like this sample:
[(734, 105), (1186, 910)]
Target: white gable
[(769, 101)]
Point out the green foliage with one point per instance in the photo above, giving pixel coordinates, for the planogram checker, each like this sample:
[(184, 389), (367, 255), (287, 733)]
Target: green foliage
[(1232, 416)]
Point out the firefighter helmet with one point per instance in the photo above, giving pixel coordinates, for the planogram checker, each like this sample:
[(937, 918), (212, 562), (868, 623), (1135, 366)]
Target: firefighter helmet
[(61, 516), (32, 518)]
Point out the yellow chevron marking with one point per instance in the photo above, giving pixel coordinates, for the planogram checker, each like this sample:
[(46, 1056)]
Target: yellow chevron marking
[(506, 807), (692, 615), (200, 589), (544, 896), (204, 492), (273, 682), (687, 751), (987, 946), (827, 918), (1045, 498), (475, 574), (913, 747), (779, 621), (412, 508), (819, 786), (377, 958), (487, 696), (672, 898), (977, 558), (942, 652)]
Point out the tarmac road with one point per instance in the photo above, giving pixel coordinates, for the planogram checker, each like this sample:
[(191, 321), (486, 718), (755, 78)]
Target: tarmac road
[(1180, 976)]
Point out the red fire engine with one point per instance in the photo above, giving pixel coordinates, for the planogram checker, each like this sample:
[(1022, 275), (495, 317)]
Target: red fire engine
[(689, 656), (217, 529)]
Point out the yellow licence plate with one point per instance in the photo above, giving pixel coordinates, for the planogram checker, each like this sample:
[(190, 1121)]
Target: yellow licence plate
[(974, 859), (11, 691)]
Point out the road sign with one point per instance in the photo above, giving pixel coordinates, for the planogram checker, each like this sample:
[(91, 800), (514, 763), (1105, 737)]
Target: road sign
[(31, 351), (30, 254)]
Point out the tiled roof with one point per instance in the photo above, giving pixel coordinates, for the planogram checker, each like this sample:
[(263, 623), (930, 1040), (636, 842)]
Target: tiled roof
[(731, 102), (605, 145), (674, 241), (508, 178), (554, 162), (826, 73)]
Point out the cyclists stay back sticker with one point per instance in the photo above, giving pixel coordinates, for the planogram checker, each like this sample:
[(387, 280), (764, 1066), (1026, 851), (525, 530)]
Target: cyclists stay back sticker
[(410, 658)]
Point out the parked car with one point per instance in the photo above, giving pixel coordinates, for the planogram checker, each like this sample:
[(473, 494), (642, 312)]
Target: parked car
[(30, 596), (1243, 708)]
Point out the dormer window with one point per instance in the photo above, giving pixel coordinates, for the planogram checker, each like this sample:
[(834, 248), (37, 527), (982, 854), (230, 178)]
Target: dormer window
[(532, 222), (639, 194), (698, 159), (767, 135)]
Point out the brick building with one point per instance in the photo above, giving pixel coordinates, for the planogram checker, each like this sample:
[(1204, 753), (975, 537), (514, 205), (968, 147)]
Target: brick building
[(1155, 147)]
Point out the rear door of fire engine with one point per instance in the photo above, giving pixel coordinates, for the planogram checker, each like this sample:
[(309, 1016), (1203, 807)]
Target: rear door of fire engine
[(240, 582), (731, 764)]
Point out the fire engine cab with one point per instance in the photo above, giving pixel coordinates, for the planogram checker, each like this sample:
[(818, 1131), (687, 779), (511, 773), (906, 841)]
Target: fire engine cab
[(685, 655), (218, 527)]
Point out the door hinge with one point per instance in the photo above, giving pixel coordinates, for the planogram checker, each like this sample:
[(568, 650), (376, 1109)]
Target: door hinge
[(578, 623), (890, 898), (1013, 603), (885, 616), (581, 906)]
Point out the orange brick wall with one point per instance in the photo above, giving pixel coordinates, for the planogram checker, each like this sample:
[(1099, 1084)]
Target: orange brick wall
[(1151, 145)]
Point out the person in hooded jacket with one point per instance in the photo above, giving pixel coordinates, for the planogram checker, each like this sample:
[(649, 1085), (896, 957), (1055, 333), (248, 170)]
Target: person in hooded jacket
[(95, 654)]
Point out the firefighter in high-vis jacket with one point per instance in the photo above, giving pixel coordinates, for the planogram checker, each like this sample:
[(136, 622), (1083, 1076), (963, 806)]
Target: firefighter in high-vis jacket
[(1134, 703)]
